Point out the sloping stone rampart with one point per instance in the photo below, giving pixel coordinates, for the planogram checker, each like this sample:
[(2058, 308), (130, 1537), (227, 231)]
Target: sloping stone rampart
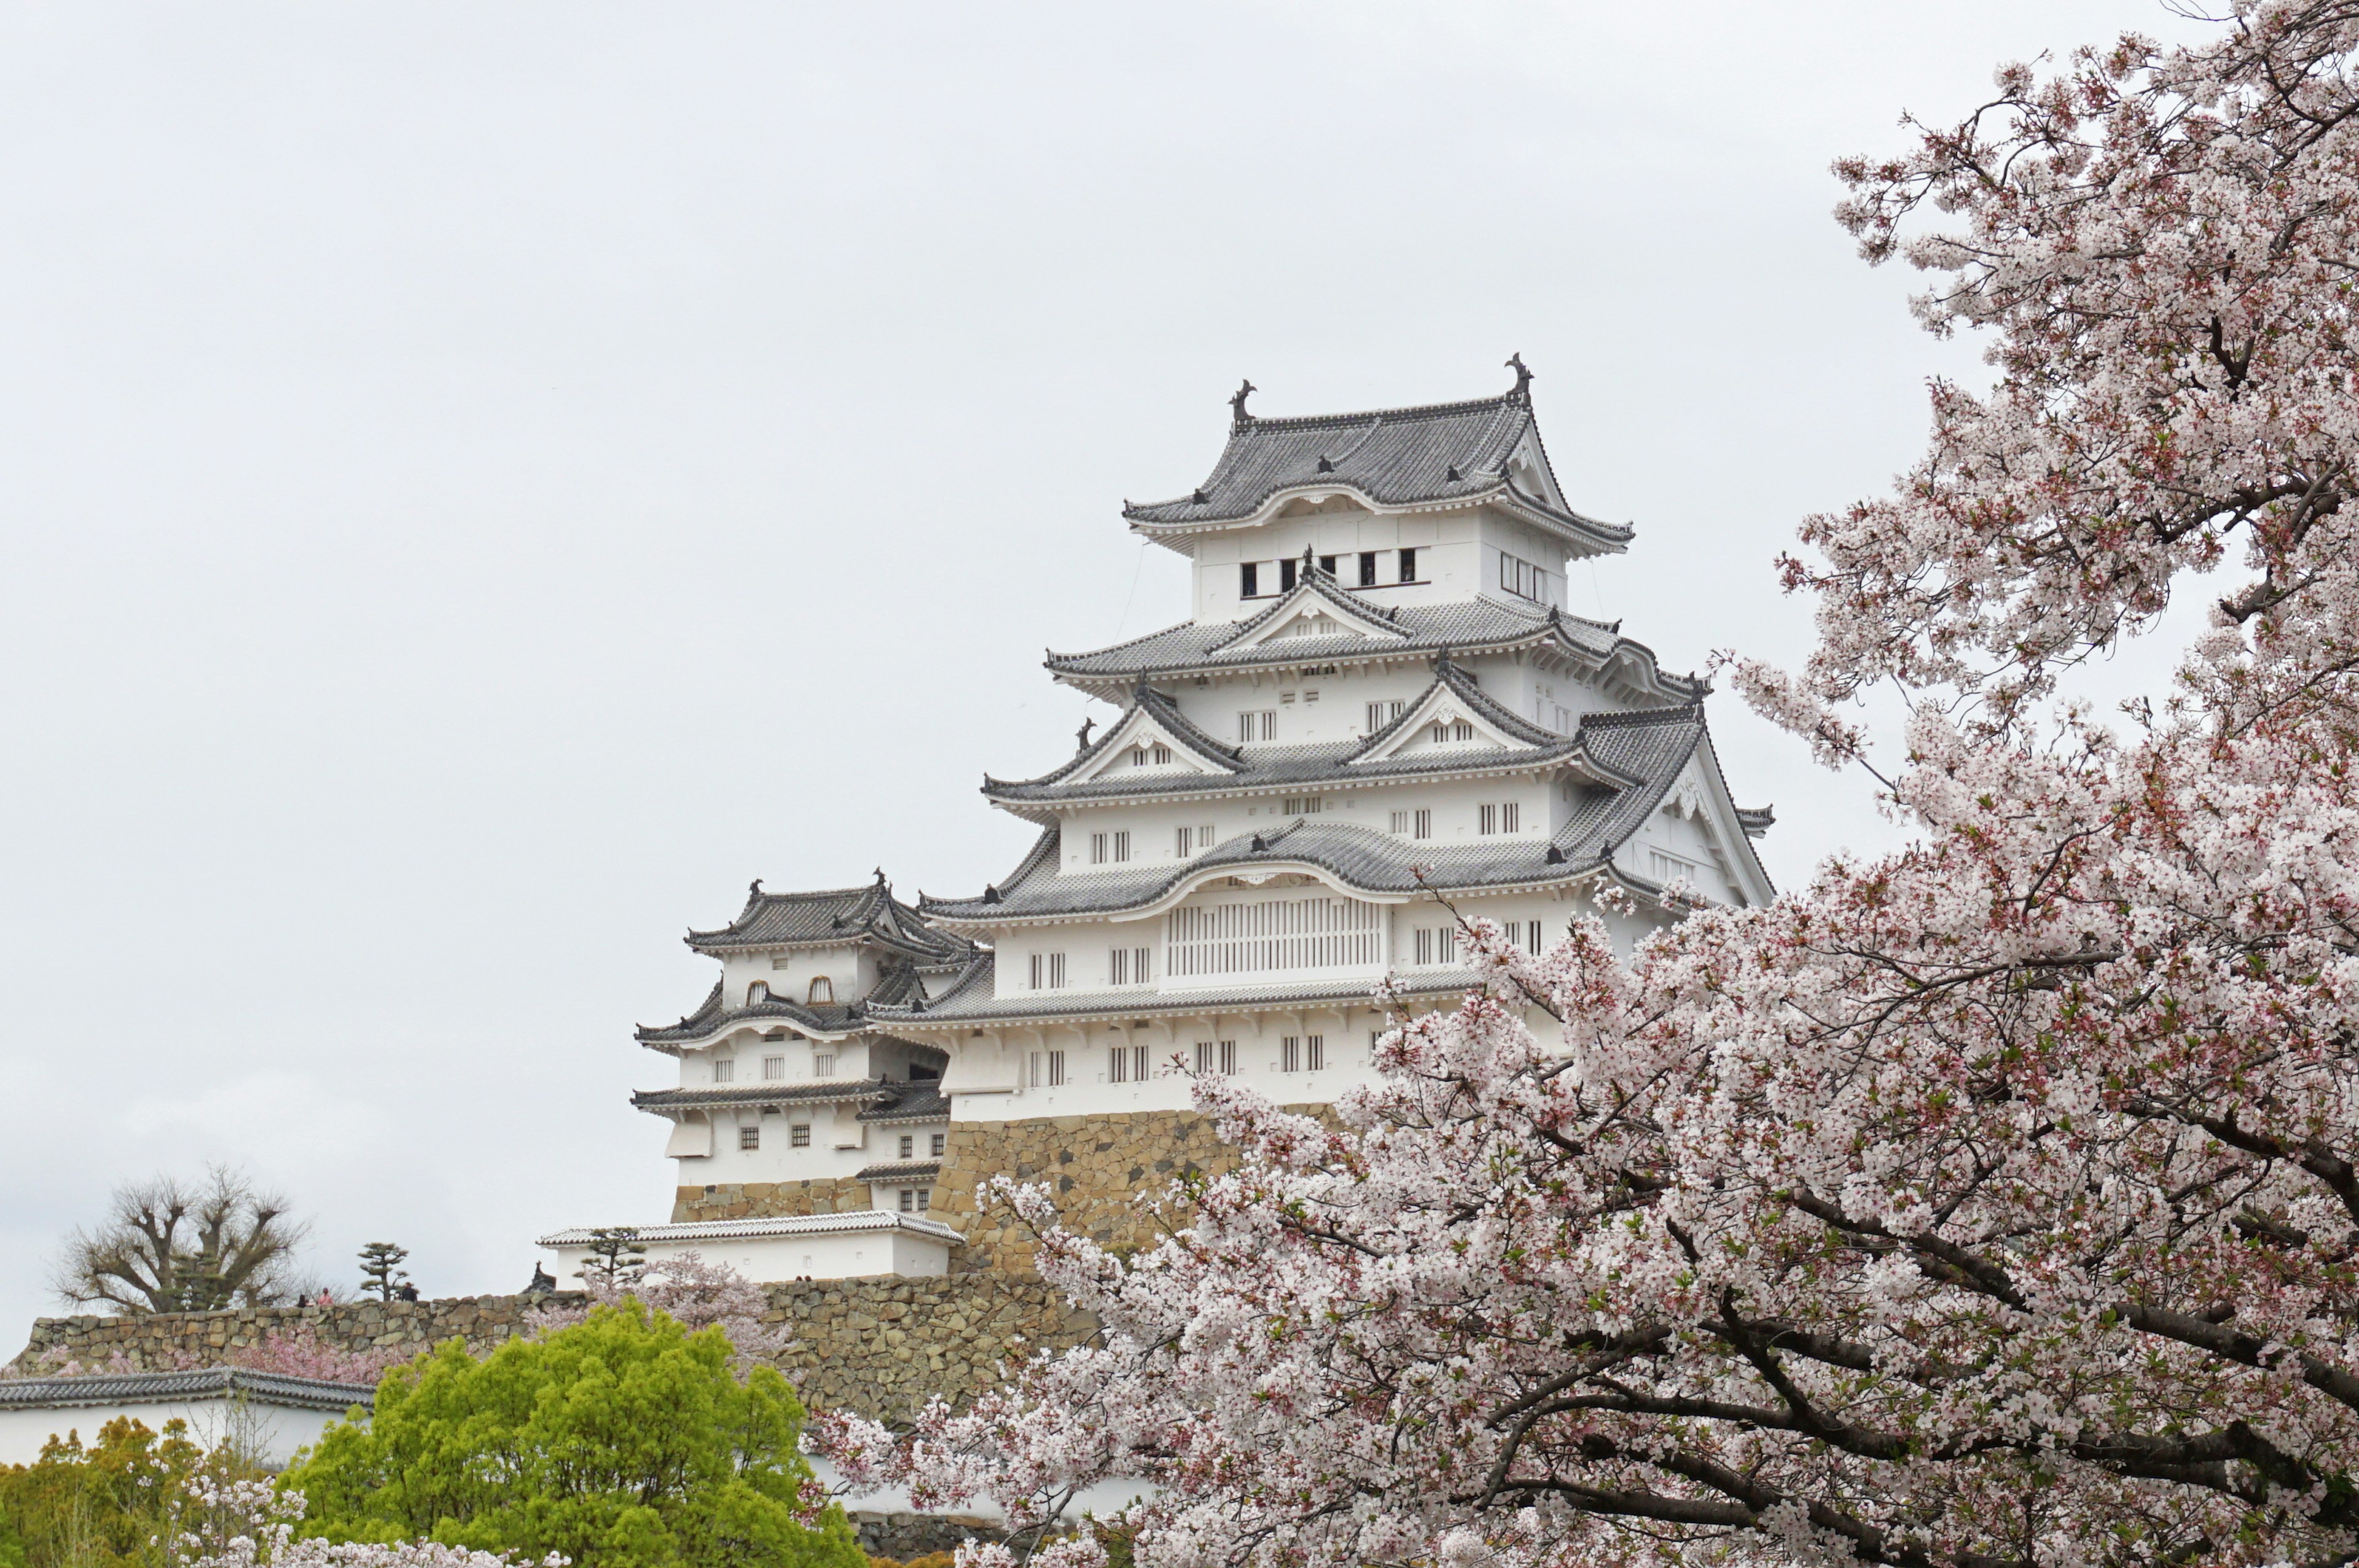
[(1097, 1167), (881, 1345)]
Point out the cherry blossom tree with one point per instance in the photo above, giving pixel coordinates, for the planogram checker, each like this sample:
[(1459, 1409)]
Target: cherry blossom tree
[(1993, 1202), (695, 1292)]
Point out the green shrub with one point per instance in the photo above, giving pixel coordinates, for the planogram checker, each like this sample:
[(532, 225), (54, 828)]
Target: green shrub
[(100, 1507), (623, 1442)]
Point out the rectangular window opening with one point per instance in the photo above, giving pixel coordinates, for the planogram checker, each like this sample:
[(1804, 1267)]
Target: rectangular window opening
[(1249, 580), (750, 1136), (936, 1144), (824, 1065), (799, 1135), (1367, 568), (774, 1068), (1314, 1053), (725, 1071), (1409, 566)]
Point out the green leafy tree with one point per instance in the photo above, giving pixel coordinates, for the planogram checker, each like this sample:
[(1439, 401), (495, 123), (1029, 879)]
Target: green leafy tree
[(380, 1269), (625, 1440), (102, 1506)]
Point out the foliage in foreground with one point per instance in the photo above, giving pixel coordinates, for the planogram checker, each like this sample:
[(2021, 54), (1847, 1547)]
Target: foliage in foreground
[(625, 1439), (1989, 1205), (104, 1504)]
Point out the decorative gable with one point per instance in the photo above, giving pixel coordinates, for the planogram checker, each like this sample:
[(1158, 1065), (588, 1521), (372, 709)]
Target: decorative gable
[(1442, 722), (1312, 610), (1142, 745)]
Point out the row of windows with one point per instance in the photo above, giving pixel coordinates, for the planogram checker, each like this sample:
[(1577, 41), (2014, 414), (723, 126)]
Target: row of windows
[(724, 1068), (1257, 580), (1157, 754), (749, 1136), (1104, 847), (1277, 934)]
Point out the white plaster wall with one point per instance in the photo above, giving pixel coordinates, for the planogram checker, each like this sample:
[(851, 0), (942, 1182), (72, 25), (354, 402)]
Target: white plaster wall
[(851, 971), (827, 1256), (271, 1432)]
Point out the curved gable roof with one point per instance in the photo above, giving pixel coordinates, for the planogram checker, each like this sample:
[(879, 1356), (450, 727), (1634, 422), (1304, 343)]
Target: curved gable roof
[(1434, 453)]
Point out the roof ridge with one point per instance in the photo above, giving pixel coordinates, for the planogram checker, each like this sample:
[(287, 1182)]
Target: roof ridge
[(1390, 415), (1674, 712)]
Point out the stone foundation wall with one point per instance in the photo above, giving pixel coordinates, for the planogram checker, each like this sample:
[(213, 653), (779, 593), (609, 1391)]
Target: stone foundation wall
[(1097, 1166), (882, 1346), (885, 1345), (768, 1200), (166, 1340)]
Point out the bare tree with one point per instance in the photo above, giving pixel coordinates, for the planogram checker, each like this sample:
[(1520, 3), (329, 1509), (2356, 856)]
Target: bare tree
[(168, 1245)]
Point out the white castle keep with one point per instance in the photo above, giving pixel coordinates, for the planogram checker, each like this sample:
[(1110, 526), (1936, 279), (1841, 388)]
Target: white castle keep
[(1379, 697)]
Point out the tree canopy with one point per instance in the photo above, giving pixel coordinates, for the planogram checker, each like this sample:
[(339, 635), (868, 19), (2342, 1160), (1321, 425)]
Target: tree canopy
[(169, 1245), (625, 1439)]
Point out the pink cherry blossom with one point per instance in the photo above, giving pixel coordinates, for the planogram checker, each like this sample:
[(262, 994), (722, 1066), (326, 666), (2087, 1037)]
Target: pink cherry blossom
[(1993, 1202)]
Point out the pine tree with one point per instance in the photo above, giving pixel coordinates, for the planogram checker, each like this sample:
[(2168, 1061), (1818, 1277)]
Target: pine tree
[(617, 1256), (380, 1274)]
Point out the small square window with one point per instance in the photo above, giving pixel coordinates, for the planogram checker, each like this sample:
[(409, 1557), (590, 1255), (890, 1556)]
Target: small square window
[(724, 1070), (750, 1136), (774, 1068), (799, 1135), (824, 1065)]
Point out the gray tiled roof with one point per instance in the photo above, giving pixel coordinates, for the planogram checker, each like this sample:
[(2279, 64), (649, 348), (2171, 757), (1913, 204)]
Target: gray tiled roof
[(1288, 767), (897, 985), (1465, 627), (904, 1171), (1395, 456), (120, 1388), (1649, 748), (821, 1093), (825, 918), (893, 1100), (916, 1102)]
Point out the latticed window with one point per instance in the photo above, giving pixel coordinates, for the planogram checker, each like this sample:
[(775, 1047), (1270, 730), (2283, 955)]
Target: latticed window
[(750, 1136), (1270, 935)]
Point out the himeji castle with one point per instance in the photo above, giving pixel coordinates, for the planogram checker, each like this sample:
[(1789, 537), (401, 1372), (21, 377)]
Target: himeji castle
[(1379, 702)]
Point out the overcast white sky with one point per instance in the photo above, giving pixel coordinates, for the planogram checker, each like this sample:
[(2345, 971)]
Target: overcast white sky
[(480, 484)]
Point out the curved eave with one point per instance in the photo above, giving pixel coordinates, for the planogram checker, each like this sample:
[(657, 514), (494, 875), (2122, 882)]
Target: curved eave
[(1589, 535), (1046, 811), (673, 1039), (1626, 651), (1185, 883)]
